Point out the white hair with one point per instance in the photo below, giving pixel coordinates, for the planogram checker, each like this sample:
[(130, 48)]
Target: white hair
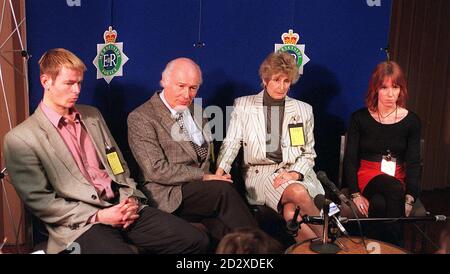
[(165, 75)]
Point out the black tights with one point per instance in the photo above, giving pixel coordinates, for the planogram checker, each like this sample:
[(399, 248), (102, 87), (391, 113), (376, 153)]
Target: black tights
[(386, 197)]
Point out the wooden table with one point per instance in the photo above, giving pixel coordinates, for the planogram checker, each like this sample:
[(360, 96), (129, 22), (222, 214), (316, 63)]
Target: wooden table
[(353, 246)]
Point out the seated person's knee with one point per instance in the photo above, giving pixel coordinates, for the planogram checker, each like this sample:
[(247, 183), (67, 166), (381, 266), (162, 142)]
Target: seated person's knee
[(221, 187), (298, 193), (197, 242)]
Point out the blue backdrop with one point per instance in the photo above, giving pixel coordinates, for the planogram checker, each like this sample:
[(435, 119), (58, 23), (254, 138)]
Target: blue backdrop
[(342, 38)]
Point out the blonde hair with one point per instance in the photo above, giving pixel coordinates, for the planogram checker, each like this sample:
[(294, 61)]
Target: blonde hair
[(279, 62), (54, 60)]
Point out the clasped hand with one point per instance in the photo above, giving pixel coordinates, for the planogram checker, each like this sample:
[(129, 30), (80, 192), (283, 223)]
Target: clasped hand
[(120, 215)]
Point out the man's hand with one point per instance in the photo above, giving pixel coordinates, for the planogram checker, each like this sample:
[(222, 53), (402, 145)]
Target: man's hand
[(285, 177), (130, 211), (212, 177), (120, 215)]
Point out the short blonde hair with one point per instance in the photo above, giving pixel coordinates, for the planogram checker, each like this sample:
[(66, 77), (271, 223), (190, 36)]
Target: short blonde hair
[(54, 60), (279, 62)]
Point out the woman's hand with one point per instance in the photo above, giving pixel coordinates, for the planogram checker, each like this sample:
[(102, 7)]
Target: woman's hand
[(409, 203), (220, 171), (408, 209), (362, 204), (284, 177)]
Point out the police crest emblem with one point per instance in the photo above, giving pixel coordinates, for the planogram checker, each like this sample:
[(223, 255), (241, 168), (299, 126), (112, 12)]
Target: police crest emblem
[(290, 40), (110, 57)]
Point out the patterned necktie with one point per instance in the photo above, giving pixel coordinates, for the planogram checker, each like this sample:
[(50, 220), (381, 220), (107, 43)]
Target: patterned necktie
[(202, 151)]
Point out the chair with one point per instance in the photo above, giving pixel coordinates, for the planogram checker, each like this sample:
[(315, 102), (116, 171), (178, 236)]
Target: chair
[(37, 236), (418, 209), (268, 219)]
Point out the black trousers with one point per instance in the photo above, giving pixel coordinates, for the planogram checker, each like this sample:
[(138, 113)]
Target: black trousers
[(386, 197), (217, 205), (153, 232)]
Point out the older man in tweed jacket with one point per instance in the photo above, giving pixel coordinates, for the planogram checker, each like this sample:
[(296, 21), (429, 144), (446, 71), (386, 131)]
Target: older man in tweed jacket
[(172, 148)]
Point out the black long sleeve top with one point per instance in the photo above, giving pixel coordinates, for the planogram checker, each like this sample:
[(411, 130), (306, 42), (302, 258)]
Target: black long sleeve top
[(367, 139)]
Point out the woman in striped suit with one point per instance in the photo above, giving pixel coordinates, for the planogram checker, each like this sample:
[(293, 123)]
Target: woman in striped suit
[(277, 134)]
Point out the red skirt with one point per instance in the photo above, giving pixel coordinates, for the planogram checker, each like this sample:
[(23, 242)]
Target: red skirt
[(368, 170)]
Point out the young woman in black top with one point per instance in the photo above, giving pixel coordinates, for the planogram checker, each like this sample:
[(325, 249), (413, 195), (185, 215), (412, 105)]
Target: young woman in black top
[(382, 160)]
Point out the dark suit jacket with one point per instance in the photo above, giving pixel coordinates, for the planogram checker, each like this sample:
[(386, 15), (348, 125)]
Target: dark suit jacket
[(48, 180), (166, 164)]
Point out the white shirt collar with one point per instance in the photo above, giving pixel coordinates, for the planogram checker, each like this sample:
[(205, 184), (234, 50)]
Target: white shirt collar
[(172, 111), (195, 133)]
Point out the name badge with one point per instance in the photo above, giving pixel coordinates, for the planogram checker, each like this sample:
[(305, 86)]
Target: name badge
[(113, 160), (296, 134), (388, 165)]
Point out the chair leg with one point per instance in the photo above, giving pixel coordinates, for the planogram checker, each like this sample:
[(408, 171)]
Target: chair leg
[(413, 237), (419, 241), (424, 242)]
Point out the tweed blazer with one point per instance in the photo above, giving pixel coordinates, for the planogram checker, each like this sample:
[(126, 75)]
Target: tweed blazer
[(166, 163), (48, 180), (248, 128)]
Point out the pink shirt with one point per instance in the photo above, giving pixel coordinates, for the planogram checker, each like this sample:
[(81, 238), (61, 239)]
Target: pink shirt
[(82, 149)]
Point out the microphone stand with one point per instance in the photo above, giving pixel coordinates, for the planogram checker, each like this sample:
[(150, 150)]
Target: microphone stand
[(321, 220), (324, 247), (436, 218), (293, 226)]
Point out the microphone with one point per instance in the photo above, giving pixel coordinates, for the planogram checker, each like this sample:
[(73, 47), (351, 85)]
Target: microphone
[(334, 209), (293, 226), (440, 218), (323, 246), (339, 225), (318, 220), (320, 202), (323, 178)]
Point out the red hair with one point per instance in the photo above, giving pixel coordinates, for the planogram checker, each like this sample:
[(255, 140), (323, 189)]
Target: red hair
[(382, 71)]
